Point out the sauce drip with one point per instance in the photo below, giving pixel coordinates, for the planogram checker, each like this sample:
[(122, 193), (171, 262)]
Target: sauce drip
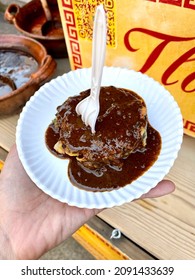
[(109, 178)]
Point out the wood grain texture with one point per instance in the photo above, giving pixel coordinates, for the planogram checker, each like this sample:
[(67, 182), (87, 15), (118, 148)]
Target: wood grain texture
[(131, 249), (3, 154), (7, 131)]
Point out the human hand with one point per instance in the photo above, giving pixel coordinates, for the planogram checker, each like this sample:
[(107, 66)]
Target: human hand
[(31, 222)]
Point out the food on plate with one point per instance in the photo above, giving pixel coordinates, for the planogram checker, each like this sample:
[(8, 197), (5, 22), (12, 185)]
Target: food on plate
[(120, 128), (123, 147)]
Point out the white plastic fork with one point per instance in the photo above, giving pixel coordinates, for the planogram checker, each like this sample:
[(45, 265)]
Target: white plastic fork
[(89, 107)]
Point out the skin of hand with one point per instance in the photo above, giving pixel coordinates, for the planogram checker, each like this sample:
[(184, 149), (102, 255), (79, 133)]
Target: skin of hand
[(31, 222)]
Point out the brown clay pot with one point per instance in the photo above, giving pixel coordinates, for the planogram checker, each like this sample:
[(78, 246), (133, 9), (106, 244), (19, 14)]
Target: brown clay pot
[(29, 19), (13, 101)]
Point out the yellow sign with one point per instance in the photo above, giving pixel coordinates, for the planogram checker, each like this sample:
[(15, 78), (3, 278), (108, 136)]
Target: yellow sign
[(155, 37)]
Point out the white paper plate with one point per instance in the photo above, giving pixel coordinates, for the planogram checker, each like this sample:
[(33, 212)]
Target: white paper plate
[(49, 173)]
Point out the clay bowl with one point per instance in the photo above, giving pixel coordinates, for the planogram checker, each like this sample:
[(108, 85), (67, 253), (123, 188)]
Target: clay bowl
[(29, 19), (36, 63)]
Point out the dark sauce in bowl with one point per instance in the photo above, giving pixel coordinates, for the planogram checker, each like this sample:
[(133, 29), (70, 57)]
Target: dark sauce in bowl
[(17, 66)]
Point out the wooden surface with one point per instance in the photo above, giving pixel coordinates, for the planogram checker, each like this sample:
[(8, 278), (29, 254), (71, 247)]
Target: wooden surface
[(164, 227), (127, 246)]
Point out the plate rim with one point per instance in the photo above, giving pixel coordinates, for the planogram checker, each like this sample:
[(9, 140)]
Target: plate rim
[(94, 205)]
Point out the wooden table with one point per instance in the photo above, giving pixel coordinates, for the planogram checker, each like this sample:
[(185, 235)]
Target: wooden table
[(161, 228)]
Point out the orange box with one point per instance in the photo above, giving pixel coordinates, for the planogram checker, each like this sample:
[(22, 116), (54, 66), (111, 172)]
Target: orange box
[(155, 37)]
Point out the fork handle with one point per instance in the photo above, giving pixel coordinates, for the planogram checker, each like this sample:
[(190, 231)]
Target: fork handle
[(98, 50)]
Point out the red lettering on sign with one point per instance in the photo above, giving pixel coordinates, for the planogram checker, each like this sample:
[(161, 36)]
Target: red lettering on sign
[(187, 81), (175, 65), (158, 50)]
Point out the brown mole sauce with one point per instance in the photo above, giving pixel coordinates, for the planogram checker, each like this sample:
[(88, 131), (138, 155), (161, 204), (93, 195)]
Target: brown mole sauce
[(109, 178)]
